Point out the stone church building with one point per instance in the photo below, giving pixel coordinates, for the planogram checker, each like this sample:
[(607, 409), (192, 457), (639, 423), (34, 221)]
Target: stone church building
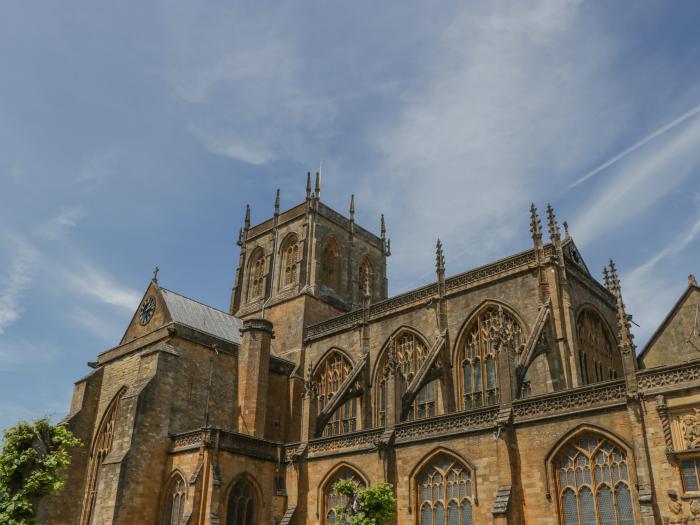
[(512, 393)]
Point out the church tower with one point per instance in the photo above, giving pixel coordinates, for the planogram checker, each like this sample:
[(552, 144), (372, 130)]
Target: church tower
[(305, 265)]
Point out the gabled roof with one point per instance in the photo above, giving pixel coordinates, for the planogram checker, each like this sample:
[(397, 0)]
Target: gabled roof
[(201, 317), (667, 320)]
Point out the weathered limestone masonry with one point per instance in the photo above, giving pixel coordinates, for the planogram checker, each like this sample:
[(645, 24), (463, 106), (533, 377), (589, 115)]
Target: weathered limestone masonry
[(512, 393)]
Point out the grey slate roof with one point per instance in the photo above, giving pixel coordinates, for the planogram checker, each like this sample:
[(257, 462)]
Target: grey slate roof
[(201, 317)]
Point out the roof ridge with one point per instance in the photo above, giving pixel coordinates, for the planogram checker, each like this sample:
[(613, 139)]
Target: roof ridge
[(198, 302)]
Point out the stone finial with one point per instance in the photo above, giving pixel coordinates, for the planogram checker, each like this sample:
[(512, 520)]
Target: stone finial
[(623, 319), (614, 279), (155, 274), (535, 226), (318, 185), (692, 281), (386, 243), (308, 185), (277, 202), (247, 217), (566, 230), (606, 277), (352, 207), (439, 257), (552, 225)]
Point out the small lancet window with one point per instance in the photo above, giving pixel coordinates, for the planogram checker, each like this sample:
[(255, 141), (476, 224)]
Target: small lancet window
[(175, 503)]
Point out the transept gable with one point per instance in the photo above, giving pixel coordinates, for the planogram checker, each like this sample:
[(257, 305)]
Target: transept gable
[(151, 313), (677, 339), (160, 307)]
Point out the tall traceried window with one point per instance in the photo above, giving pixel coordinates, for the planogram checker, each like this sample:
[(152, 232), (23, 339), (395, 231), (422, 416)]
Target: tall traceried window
[(290, 262), (256, 278), (101, 447), (365, 274), (175, 501), (593, 485), (330, 374), (597, 346), (477, 356), (331, 500), (409, 353), (330, 264), (445, 492), (241, 504)]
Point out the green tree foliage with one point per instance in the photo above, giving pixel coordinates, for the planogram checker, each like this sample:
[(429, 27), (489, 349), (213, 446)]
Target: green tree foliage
[(371, 506), (32, 465)]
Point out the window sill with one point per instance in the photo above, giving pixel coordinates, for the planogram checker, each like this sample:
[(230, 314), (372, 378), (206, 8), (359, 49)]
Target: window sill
[(691, 494)]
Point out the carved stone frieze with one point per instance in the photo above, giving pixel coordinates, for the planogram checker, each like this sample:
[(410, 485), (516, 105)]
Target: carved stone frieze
[(671, 376), (602, 394)]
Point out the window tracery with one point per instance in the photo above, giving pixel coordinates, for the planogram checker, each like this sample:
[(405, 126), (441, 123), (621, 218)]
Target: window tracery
[(409, 353), (290, 256), (477, 358), (597, 347), (330, 375), (593, 484), (241, 504), (256, 285), (444, 492), (330, 264), (331, 500), (175, 502)]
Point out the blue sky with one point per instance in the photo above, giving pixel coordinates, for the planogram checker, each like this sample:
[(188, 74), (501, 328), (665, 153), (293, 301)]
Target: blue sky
[(133, 134)]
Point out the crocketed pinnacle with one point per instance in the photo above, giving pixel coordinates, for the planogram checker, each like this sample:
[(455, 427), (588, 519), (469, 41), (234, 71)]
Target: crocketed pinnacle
[(439, 257), (552, 225), (535, 225)]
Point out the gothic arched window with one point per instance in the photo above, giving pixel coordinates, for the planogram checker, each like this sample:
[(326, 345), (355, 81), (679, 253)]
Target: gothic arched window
[(256, 280), (409, 353), (597, 347), (593, 486), (241, 504), (290, 262), (331, 500), (331, 373), (478, 352), (330, 264), (175, 501), (365, 274), (101, 447), (445, 492)]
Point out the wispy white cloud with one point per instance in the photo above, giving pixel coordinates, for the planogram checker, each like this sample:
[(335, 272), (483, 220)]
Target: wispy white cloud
[(100, 325), (15, 279), (58, 227), (641, 181), (634, 147), (94, 282), (507, 87), (649, 292)]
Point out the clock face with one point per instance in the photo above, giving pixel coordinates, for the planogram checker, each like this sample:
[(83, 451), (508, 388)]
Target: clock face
[(148, 307)]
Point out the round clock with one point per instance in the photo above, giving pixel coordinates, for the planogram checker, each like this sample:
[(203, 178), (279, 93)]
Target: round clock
[(148, 307)]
